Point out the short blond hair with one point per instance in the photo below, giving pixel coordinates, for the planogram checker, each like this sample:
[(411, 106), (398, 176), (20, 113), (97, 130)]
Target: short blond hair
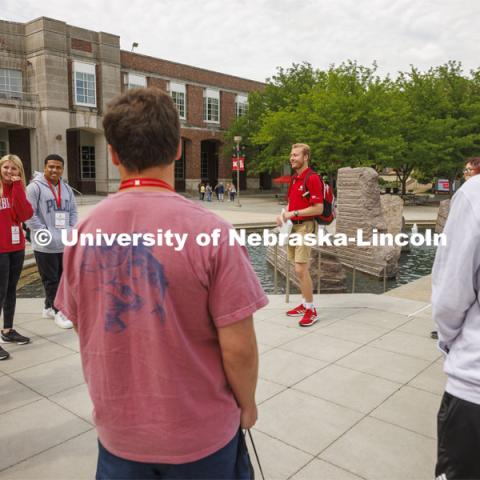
[(18, 163), (305, 149)]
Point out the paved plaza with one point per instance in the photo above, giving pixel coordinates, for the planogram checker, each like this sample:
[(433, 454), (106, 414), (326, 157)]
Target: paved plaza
[(354, 396), (261, 210)]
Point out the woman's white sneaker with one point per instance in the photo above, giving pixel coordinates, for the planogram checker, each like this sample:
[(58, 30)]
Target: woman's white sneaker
[(62, 321), (48, 313)]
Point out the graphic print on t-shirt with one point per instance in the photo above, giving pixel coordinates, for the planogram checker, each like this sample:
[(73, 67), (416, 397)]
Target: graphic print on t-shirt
[(128, 272)]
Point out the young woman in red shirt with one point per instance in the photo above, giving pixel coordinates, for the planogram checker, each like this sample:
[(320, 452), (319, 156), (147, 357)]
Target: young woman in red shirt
[(14, 209)]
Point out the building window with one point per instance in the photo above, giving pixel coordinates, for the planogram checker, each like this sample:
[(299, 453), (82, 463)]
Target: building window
[(3, 148), (241, 105), (136, 81), (87, 163), (211, 105), (179, 95), (10, 81), (84, 84), (180, 164)]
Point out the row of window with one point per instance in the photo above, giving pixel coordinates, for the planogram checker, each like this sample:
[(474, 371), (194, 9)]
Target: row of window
[(178, 91), (84, 81)]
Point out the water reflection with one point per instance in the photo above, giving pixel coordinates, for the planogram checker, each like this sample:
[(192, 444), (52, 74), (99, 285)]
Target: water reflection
[(413, 265)]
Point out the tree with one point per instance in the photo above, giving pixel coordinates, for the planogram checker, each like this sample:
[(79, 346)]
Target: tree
[(423, 121), (441, 126), (268, 150), (347, 119)]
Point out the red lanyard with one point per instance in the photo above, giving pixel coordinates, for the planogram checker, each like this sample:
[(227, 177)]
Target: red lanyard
[(145, 182), (58, 200)]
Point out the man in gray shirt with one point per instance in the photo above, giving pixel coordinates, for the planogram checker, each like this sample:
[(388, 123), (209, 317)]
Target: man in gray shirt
[(456, 311), (54, 210)]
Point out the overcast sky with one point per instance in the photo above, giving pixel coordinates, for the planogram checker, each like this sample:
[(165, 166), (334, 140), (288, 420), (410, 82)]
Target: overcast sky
[(250, 38)]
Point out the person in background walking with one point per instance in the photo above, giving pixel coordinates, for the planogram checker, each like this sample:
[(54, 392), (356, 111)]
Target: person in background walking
[(208, 190), (233, 191), (202, 192), (14, 209), (220, 190)]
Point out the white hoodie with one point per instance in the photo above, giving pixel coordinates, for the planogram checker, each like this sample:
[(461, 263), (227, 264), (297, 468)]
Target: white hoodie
[(455, 293)]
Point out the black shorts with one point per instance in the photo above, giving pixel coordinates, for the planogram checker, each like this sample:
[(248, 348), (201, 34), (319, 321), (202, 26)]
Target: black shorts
[(458, 454)]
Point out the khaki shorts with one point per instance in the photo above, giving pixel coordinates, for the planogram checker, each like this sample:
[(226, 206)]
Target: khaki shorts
[(301, 254)]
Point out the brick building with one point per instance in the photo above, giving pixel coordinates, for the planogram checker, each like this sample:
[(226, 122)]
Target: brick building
[(55, 82)]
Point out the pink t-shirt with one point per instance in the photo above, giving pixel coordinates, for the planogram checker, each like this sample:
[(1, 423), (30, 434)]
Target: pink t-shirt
[(147, 318)]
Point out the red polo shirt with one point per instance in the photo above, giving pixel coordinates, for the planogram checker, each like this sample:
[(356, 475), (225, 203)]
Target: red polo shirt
[(296, 200)]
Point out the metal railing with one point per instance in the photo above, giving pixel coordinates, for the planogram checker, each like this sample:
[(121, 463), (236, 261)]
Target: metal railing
[(78, 192), (353, 266)]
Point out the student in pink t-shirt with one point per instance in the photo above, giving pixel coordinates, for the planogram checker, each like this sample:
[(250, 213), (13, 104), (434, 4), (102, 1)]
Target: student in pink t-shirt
[(166, 332)]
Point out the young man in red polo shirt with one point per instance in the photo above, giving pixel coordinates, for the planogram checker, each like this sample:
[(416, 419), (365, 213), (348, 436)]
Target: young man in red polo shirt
[(304, 204)]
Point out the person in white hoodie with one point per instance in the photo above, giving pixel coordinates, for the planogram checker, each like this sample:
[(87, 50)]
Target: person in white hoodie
[(54, 209), (456, 312)]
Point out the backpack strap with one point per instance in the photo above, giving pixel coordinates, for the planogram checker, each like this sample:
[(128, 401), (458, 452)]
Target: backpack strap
[(305, 180)]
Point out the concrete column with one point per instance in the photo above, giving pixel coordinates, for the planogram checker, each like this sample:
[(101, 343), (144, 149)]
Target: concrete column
[(37, 162), (52, 137), (107, 177), (192, 164)]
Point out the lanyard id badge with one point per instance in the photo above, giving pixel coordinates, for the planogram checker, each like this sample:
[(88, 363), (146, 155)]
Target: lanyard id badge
[(57, 197), (61, 220), (15, 235)]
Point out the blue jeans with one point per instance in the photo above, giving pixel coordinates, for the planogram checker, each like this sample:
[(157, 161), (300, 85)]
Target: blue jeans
[(229, 463)]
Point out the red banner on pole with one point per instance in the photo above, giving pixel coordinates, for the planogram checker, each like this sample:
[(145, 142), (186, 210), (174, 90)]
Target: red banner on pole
[(242, 164)]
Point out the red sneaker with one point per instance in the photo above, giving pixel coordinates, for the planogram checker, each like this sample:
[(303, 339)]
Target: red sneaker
[(309, 318), (297, 311)]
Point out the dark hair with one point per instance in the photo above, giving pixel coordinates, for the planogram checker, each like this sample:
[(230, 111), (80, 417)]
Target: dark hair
[(143, 127), (54, 156), (474, 162)]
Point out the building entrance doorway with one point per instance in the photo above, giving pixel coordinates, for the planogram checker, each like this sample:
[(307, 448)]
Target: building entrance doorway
[(81, 160), (209, 161)]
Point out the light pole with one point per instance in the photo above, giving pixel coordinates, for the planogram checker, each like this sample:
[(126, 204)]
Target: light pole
[(237, 139)]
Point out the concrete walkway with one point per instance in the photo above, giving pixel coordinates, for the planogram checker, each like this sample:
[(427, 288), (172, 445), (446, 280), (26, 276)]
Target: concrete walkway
[(419, 290), (256, 211), (262, 210), (354, 396)]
